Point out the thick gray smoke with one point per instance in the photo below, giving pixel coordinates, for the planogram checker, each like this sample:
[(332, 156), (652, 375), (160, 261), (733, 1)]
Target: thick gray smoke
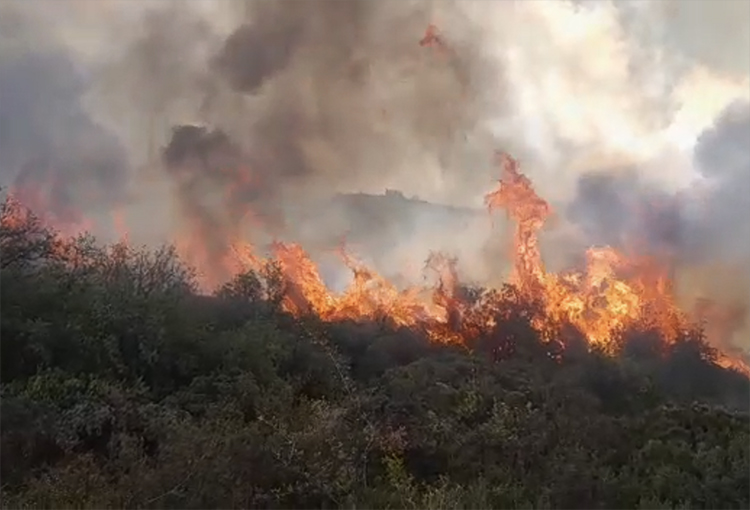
[(704, 229), (198, 160), (707, 222), (265, 117), (52, 153), (721, 239), (340, 96), (617, 207), (723, 157)]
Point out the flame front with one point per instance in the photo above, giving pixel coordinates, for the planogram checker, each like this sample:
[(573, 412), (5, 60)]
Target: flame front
[(615, 292)]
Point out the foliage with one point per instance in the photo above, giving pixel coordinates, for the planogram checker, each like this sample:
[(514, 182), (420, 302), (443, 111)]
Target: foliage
[(121, 387)]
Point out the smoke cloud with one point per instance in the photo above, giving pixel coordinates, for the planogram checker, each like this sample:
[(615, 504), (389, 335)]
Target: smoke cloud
[(331, 97), (210, 122), (52, 152), (723, 157), (703, 229)]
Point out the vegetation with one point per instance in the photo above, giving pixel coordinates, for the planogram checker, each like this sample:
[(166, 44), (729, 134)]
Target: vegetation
[(122, 387)]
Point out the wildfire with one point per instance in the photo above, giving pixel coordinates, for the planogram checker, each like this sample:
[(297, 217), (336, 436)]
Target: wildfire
[(613, 293), (370, 296)]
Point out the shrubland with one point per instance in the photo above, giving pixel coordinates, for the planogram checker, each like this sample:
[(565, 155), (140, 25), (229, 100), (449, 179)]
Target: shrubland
[(122, 386)]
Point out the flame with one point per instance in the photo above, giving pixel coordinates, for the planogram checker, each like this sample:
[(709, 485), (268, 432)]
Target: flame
[(17, 222), (430, 37), (370, 296), (61, 217), (120, 224), (614, 292)]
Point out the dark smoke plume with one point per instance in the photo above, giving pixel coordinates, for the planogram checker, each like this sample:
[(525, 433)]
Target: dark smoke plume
[(706, 221), (254, 52), (341, 97), (196, 159), (619, 208), (704, 229), (723, 157), (52, 153)]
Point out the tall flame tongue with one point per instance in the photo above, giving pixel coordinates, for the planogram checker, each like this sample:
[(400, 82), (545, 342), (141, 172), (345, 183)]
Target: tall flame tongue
[(615, 292), (612, 294), (369, 296), (517, 196)]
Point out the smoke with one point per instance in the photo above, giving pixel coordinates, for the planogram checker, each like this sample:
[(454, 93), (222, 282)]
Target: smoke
[(53, 154), (722, 235), (723, 157), (238, 119), (617, 207), (703, 229), (348, 98), (331, 97)]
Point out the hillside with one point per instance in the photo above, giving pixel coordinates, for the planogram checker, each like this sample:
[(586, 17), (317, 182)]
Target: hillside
[(375, 222), (122, 387)]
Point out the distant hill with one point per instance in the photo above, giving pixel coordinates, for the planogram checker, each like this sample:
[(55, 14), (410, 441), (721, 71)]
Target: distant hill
[(367, 218)]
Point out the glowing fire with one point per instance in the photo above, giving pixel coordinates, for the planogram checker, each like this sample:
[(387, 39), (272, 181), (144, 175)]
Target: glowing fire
[(612, 293), (599, 302), (433, 39)]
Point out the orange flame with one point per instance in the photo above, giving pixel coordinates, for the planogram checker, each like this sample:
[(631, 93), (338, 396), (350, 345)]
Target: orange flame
[(615, 291)]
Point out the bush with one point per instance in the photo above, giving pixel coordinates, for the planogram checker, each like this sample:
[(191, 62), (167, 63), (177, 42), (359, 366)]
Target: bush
[(122, 387)]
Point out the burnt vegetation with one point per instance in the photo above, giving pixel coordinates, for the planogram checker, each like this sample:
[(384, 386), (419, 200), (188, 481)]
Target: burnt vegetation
[(123, 387)]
